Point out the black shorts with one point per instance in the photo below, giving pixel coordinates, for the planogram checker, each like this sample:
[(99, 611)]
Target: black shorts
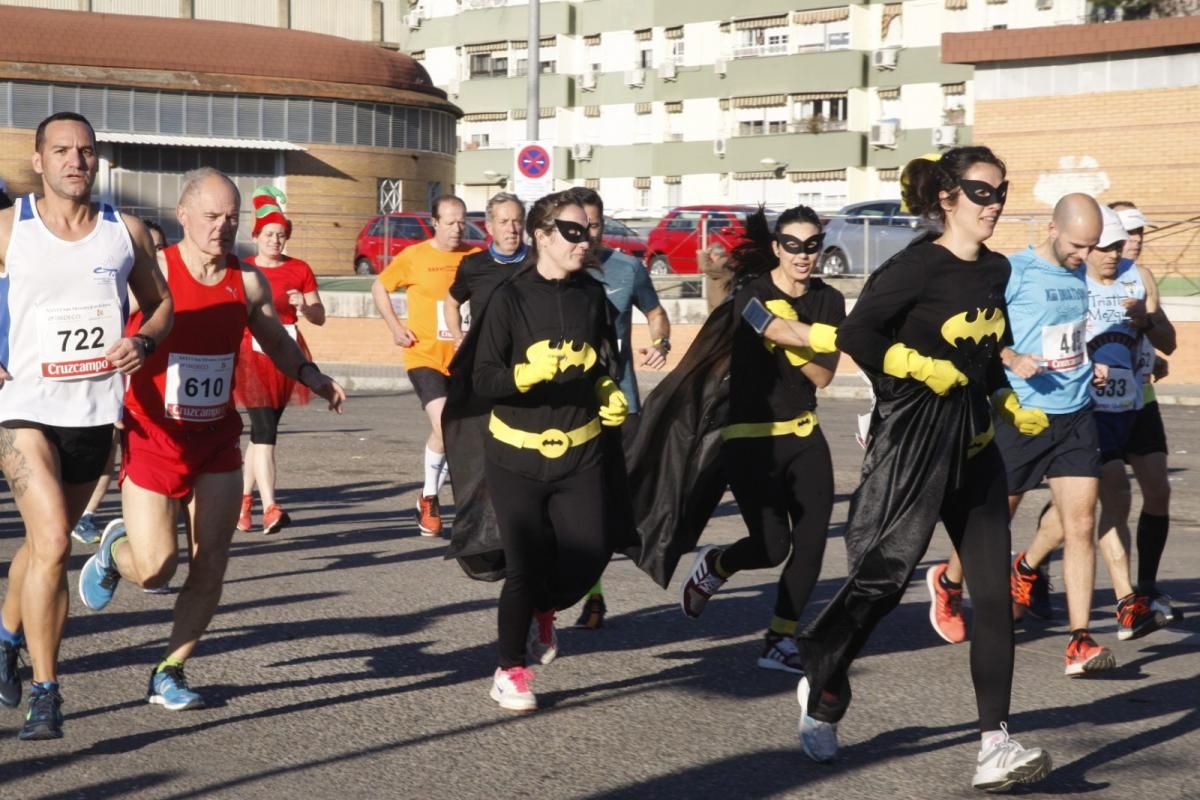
[(1068, 448), (1148, 435), (429, 384), (82, 452), (1115, 429)]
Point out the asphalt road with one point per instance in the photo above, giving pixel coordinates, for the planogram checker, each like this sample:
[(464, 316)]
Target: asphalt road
[(349, 660)]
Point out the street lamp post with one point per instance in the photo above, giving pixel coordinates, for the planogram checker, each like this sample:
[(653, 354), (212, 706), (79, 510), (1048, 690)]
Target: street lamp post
[(776, 168)]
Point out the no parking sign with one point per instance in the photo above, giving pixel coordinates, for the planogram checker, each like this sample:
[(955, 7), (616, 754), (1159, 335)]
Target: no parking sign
[(533, 170)]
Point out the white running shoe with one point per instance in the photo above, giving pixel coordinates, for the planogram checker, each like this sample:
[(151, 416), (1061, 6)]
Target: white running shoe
[(780, 652), (510, 688), (542, 643), (1003, 762), (702, 582), (817, 739), (1162, 603)]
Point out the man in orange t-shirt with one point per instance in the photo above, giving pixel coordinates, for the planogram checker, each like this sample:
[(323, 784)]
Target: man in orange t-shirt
[(426, 271)]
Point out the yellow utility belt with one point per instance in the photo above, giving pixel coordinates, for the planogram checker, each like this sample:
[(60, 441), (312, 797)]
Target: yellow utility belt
[(802, 425), (551, 443)]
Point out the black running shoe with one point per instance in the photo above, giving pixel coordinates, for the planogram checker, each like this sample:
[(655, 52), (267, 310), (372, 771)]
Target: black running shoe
[(592, 614), (1039, 595), (44, 719), (10, 679)]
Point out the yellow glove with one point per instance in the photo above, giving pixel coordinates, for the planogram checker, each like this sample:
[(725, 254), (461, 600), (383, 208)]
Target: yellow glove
[(539, 370), (823, 338), (1029, 421), (614, 407), (938, 374)]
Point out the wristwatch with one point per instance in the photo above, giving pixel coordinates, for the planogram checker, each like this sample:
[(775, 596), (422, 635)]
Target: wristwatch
[(663, 344), (148, 344)]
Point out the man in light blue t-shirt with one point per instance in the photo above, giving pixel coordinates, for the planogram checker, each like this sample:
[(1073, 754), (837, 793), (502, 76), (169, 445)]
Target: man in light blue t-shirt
[(628, 285), (1050, 370)]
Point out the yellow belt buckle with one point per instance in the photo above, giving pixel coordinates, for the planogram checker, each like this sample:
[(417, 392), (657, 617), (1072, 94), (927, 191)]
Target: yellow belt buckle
[(552, 443), (802, 425)]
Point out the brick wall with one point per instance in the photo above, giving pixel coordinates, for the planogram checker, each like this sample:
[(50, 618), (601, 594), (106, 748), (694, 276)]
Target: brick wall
[(1143, 143), (332, 192), (16, 147)]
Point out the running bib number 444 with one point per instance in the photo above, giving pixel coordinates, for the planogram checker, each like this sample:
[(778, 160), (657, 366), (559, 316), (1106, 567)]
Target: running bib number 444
[(1062, 345), (198, 387), (72, 340)]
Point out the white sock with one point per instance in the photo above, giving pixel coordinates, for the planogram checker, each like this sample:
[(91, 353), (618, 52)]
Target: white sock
[(989, 738), (434, 462), (443, 474)]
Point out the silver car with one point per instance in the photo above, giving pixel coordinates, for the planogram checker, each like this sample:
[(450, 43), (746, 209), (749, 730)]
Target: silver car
[(862, 236)]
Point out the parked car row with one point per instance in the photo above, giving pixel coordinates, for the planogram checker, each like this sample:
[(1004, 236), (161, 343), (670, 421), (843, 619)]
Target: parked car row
[(386, 235), (859, 238)]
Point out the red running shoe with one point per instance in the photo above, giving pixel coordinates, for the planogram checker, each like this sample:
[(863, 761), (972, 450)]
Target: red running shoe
[(429, 516), (945, 607), (1085, 656)]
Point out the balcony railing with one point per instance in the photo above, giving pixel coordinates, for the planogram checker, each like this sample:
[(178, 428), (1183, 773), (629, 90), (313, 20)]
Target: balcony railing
[(752, 51)]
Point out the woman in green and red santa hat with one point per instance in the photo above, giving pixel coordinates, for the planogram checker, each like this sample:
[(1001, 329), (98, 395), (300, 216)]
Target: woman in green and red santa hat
[(261, 389)]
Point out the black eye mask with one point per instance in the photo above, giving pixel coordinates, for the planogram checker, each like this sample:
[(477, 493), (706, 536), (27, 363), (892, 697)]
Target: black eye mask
[(791, 244), (982, 193), (573, 232)]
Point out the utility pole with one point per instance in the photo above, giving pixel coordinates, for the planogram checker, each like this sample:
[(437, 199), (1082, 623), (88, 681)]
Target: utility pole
[(533, 71)]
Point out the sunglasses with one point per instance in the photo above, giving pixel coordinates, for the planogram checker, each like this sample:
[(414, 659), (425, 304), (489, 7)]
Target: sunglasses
[(791, 244), (982, 193), (573, 232)]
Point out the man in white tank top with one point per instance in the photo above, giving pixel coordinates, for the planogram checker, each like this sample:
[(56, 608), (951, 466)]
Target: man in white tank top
[(65, 267)]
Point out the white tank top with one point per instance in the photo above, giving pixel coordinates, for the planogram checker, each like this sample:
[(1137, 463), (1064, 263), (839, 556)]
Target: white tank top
[(1113, 341), (62, 305)]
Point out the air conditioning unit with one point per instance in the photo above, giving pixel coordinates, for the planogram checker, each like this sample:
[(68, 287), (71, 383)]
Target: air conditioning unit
[(945, 136), (581, 151), (883, 134), (884, 59), (587, 81), (635, 77), (721, 67), (719, 148), (667, 70), (413, 19), (1045, 5)]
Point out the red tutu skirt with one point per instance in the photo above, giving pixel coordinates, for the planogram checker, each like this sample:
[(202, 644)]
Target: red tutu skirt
[(258, 383)]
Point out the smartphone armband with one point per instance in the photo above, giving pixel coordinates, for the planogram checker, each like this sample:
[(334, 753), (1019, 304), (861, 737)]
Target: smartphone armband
[(757, 315)]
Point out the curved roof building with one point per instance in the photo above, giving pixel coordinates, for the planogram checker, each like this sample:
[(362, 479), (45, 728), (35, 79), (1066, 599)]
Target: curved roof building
[(344, 127)]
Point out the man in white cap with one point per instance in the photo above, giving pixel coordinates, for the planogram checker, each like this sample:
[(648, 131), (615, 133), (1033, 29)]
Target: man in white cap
[(1146, 451)]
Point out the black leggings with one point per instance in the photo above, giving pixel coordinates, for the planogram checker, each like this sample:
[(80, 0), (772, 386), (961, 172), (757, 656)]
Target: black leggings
[(976, 518), (264, 424), (784, 488), (555, 547)]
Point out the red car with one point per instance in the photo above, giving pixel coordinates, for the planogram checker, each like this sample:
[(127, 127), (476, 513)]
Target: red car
[(377, 244), (620, 236), (672, 245)]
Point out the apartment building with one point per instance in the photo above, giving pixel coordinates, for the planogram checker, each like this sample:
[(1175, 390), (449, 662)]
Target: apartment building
[(680, 101)]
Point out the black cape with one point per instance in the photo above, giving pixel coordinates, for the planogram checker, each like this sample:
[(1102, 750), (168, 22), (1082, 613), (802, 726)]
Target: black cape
[(475, 537), (673, 460)]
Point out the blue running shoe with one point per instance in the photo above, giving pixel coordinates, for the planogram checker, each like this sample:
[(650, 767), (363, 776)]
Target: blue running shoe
[(85, 530), (99, 578), (169, 689), (44, 719), (10, 679)]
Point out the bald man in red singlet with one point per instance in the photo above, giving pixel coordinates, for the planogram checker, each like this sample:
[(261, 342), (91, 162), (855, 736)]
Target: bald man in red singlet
[(182, 430)]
